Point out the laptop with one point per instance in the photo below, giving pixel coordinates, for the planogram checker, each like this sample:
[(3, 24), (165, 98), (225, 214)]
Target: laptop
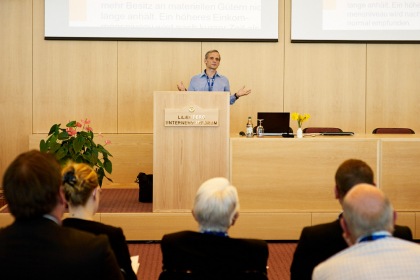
[(275, 123), (344, 133)]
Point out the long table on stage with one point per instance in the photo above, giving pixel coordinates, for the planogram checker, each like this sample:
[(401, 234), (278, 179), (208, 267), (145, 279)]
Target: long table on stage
[(294, 178), (285, 184)]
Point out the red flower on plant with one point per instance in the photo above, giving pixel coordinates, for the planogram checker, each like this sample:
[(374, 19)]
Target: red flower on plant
[(71, 131), (85, 121)]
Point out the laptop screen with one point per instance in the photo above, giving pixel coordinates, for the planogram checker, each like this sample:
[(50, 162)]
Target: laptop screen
[(275, 123)]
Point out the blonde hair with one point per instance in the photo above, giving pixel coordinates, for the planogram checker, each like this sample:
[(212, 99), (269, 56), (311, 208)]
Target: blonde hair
[(79, 181), (212, 51)]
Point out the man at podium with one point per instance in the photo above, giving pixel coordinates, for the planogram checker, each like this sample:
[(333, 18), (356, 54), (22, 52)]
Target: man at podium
[(210, 80)]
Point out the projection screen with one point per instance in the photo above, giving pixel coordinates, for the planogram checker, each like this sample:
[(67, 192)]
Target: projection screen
[(242, 20), (355, 20)]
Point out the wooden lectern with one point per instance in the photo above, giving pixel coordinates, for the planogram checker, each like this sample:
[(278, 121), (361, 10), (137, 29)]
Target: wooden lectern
[(190, 145)]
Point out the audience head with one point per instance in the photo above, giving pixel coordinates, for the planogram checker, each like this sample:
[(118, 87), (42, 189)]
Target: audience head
[(350, 173), (366, 210), (79, 181), (32, 185), (216, 205)]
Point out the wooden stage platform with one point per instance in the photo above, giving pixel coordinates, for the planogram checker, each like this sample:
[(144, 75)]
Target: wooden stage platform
[(120, 207)]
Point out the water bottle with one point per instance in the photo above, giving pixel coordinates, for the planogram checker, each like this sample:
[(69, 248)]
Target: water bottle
[(249, 128)]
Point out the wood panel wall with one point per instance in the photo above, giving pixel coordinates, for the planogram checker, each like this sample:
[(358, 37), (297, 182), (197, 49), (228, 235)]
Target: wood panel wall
[(353, 86)]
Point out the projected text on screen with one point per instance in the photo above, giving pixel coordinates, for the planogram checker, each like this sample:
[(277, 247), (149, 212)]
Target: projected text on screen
[(250, 20), (356, 20), (371, 14), (166, 14)]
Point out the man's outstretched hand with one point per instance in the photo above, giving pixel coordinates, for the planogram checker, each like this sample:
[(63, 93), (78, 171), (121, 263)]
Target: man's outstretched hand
[(181, 86), (242, 92)]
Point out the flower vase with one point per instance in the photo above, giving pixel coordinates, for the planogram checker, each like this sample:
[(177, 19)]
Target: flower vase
[(299, 132)]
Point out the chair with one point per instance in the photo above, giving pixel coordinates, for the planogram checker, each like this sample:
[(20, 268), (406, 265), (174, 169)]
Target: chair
[(321, 129), (393, 130), (188, 255)]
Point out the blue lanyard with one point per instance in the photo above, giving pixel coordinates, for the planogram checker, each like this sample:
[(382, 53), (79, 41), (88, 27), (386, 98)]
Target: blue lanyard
[(373, 237), (212, 82)]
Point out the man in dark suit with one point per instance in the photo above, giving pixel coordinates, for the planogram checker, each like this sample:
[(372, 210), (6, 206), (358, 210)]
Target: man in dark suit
[(211, 253), (35, 244), (318, 243)]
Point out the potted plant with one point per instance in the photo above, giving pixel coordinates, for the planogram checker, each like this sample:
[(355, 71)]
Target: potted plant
[(75, 143)]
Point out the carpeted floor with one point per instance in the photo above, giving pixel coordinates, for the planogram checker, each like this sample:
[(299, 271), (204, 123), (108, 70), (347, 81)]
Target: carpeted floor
[(150, 258), (116, 201)]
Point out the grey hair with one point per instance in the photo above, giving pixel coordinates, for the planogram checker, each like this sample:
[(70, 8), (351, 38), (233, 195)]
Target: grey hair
[(363, 221), (216, 203)]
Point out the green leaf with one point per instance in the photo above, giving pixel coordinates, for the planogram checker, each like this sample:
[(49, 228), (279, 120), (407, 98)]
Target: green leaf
[(78, 143), (108, 165), (79, 158), (52, 139), (71, 124), (103, 151), (63, 135), (54, 147), (95, 156), (43, 147), (109, 179), (101, 174), (61, 153), (54, 129)]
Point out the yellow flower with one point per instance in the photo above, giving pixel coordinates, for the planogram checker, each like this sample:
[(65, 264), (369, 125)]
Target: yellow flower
[(300, 118)]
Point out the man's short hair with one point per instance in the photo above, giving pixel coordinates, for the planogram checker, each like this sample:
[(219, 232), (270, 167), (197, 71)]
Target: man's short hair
[(216, 204), (350, 173), (31, 184), (212, 51)]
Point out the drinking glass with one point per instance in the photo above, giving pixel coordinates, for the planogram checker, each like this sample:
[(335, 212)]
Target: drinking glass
[(260, 128)]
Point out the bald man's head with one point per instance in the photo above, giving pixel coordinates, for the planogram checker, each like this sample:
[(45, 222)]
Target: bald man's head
[(366, 209)]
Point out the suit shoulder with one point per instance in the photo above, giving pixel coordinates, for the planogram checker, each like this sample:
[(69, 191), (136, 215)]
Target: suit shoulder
[(250, 241), (180, 235), (92, 226), (74, 233), (322, 229), (403, 232)]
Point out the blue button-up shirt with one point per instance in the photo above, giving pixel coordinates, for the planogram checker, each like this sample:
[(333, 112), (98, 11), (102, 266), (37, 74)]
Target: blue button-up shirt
[(202, 82)]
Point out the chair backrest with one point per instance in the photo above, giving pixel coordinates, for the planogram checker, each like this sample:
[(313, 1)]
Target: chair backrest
[(189, 275), (198, 256), (321, 129), (393, 130)]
